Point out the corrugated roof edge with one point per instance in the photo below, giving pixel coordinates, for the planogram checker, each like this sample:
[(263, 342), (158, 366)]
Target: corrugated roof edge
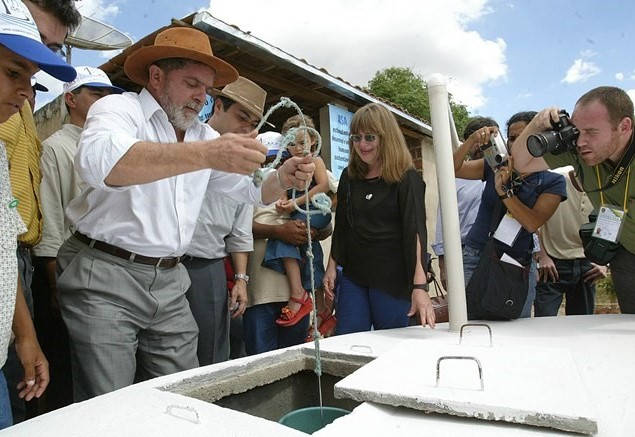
[(208, 23)]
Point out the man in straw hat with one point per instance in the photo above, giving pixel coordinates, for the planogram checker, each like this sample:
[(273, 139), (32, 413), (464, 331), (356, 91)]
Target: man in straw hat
[(22, 54), (223, 227), (146, 159)]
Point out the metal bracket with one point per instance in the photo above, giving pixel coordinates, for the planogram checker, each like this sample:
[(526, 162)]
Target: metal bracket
[(485, 325), (460, 357)]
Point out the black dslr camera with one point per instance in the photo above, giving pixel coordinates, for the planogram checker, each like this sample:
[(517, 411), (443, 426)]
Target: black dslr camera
[(596, 250), (562, 138)]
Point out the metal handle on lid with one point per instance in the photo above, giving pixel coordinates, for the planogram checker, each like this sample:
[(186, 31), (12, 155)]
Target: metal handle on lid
[(485, 325), (460, 357)]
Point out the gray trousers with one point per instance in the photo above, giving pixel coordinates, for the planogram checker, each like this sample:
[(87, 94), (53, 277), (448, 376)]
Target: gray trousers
[(123, 319), (209, 303), (623, 274)]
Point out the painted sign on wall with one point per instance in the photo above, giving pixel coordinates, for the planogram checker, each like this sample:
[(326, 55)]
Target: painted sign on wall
[(340, 122)]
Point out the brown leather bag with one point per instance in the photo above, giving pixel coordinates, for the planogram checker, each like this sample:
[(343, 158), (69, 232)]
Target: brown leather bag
[(439, 303)]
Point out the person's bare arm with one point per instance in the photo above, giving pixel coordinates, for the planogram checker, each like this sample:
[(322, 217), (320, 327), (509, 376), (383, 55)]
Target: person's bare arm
[(34, 363), (147, 162), (472, 169), (321, 179), (238, 294), (524, 162), (530, 218), (420, 300), (292, 232)]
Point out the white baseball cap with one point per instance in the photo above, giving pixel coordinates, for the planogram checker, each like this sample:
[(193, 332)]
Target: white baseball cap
[(273, 141), (19, 33), (91, 77)]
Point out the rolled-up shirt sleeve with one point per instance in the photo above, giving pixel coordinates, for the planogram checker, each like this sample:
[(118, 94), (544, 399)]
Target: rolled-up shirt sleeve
[(238, 187), (107, 136), (241, 238)]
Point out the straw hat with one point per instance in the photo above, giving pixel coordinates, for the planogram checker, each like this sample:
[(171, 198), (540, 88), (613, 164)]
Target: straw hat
[(246, 93), (178, 42)]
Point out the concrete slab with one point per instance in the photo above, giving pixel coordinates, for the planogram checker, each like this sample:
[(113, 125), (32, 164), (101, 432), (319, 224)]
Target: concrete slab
[(148, 412), (375, 420), (602, 348), (514, 386)]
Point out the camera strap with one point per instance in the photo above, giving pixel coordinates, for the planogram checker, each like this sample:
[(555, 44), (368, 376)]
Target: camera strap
[(628, 178)]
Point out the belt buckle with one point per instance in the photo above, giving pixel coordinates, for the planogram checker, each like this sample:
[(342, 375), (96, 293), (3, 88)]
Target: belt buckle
[(158, 264)]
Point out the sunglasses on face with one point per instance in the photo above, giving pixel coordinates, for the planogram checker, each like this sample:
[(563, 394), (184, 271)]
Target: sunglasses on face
[(369, 138)]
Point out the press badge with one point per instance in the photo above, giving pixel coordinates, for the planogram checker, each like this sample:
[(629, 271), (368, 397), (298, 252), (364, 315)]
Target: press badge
[(608, 225), (507, 230)]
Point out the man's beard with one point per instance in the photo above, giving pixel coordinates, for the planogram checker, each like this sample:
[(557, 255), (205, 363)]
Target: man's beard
[(177, 115)]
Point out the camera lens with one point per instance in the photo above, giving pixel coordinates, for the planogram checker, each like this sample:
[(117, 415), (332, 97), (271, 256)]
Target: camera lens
[(537, 145)]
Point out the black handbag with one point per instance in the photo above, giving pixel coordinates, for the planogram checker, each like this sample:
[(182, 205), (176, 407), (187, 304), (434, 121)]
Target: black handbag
[(497, 290)]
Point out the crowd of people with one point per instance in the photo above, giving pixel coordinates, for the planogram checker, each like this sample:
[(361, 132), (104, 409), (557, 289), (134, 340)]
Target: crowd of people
[(137, 237)]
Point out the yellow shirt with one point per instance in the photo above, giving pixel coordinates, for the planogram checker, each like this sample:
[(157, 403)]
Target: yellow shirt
[(23, 151)]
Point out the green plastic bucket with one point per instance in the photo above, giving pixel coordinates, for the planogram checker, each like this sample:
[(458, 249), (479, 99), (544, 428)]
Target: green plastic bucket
[(310, 419)]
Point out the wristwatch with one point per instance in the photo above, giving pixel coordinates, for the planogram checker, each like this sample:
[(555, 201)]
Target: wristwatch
[(242, 276)]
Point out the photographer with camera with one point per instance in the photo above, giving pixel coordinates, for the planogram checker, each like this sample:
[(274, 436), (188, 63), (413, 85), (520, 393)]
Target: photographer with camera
[(513, 204), (597, 142)]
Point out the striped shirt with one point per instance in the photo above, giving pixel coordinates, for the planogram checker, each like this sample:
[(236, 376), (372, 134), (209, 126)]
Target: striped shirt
[(23, 152)]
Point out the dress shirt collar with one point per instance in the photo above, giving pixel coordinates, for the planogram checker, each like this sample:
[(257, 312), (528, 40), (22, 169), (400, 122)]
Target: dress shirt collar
[(149, 104)]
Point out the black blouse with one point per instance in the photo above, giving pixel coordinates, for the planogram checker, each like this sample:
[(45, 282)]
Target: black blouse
[(376, 225)]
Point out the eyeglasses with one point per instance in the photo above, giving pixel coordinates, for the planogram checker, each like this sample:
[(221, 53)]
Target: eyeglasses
[(369, 138)]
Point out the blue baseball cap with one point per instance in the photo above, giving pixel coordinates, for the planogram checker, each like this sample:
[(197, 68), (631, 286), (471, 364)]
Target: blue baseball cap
[(18, 33)]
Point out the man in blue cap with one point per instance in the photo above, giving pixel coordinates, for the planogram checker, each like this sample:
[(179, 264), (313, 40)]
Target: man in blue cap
[(22, 54)]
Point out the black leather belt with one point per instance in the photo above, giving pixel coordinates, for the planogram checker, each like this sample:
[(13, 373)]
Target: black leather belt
[(167, 263)]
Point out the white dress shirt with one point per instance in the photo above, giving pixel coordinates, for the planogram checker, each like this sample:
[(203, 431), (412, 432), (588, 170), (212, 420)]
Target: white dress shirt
[(155, 219), (223, 227)]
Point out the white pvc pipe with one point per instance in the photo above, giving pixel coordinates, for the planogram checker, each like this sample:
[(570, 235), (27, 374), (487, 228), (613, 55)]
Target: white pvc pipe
[(441, 136)]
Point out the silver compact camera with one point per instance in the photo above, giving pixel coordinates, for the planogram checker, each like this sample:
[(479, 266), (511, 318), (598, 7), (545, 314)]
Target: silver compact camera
[(495, 152)]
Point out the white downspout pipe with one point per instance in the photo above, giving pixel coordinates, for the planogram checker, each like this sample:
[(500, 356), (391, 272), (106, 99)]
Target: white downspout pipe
[(442, 140)]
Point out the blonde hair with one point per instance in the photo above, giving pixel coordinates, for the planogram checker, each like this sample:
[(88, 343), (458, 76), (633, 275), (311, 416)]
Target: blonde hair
[(394, 155)]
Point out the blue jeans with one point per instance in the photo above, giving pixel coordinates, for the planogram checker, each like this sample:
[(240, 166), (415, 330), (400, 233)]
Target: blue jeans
[(262, 334), (6, 418), (277, 250), (580, 294), (359, 308), (471, 258)]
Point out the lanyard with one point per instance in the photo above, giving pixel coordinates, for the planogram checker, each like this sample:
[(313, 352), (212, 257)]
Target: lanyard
[(628, 178)]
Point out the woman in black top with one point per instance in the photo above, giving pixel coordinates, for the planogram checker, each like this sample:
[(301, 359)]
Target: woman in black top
[(379, 230)]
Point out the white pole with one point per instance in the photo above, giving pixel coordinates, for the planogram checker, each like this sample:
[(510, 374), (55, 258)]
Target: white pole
[(441, 136)]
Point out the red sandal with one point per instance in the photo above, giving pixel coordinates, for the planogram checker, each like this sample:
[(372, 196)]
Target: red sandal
[(326, 326), (290, 318)]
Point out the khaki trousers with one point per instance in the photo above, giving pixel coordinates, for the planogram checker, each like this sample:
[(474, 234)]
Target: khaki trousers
[(124, 319)]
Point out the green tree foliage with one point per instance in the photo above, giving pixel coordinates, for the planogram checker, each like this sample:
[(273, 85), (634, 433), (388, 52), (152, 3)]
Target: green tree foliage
[(407, 89)]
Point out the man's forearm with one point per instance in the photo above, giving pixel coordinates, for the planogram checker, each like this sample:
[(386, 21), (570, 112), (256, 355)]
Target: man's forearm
[(22, 324), (262, 231), (147, 162), (272, 188), (239, 259)]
